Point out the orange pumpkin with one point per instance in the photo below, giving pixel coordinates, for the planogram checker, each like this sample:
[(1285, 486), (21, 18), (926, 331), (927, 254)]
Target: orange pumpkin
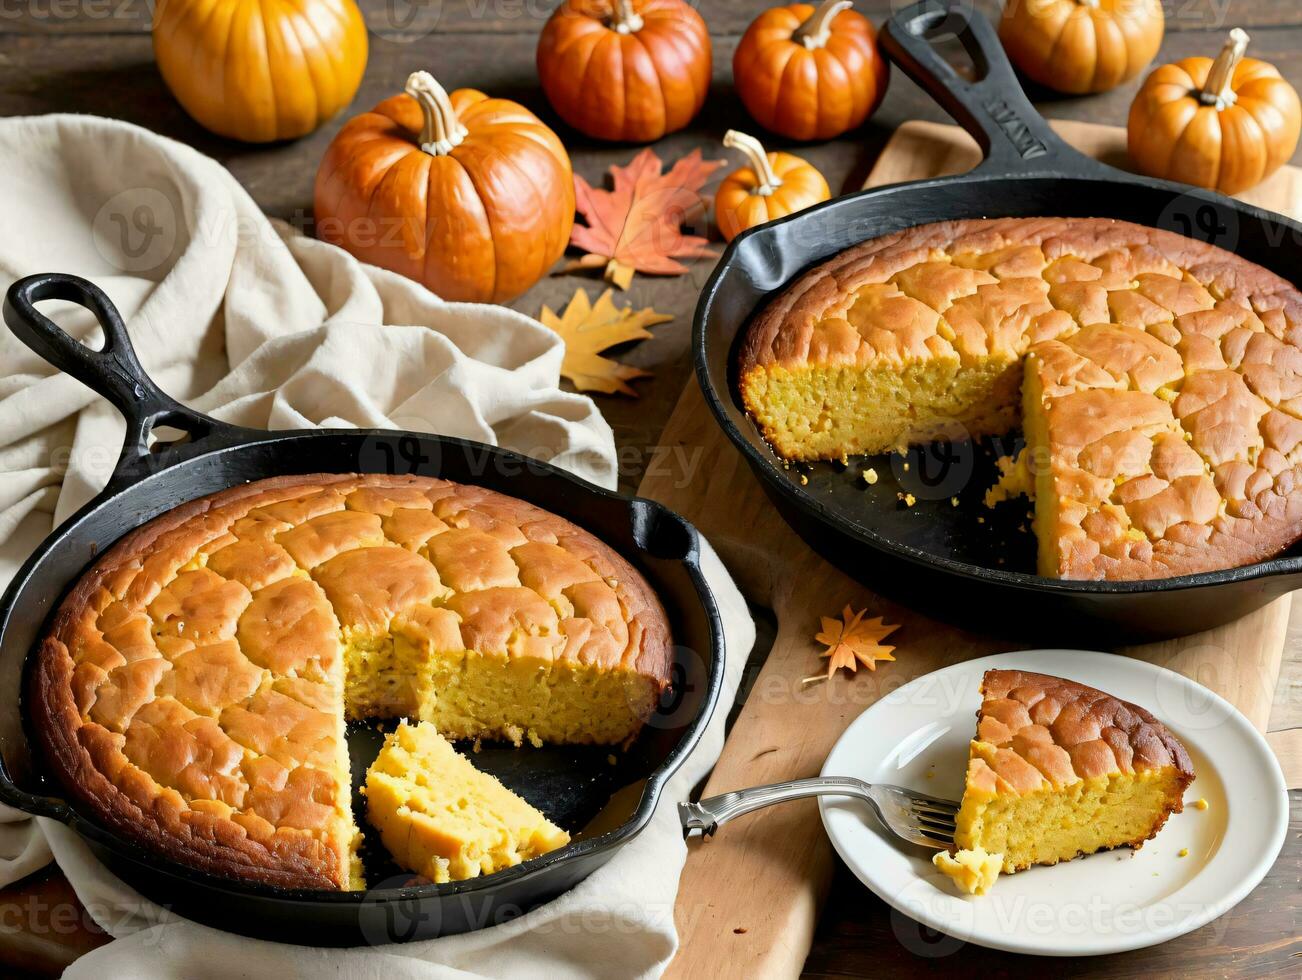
[(470, 195), (1226, 124), (773, 186), (1081, 46), (810, 74), (626, 70), (260, 70)]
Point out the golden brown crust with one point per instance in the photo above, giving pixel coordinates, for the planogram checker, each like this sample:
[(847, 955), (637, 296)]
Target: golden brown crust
[(190, 688), (1171, 370), (1047, 729)]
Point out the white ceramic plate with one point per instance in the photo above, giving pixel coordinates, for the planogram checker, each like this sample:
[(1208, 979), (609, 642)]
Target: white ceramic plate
[(917, 737)]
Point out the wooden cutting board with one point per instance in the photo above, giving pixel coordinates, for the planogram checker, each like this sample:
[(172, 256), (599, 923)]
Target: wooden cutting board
[(749, 898)]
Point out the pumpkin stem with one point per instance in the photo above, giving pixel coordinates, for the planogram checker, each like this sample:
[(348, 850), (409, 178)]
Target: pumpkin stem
[(753, 150), (1216, 91), (442, 130), (626, 20), (814, 32)]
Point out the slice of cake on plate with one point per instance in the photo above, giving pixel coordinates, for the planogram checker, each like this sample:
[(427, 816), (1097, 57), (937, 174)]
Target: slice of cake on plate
[(442, 818), (1059, 770)]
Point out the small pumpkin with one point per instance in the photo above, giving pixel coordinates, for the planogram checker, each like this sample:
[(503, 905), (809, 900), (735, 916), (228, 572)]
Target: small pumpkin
[(810, 73), (625, 70), (472, 196), (773, 186), (260, 70), (1081, 46), (1226, 124)]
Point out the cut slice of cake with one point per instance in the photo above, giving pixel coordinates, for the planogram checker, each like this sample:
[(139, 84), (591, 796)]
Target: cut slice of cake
[(442, 818), (1059, 770)]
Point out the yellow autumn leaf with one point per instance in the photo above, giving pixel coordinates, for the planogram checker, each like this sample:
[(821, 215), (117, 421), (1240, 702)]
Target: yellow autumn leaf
[(588, 329), (853, 640)]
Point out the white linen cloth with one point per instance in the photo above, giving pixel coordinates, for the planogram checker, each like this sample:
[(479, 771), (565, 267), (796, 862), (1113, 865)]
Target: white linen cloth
[(246, 320)]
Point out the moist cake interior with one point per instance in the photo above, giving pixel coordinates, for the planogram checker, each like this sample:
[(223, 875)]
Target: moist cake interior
[(442, 818)]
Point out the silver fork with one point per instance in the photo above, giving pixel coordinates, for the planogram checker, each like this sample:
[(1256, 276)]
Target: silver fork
[(916, 817)]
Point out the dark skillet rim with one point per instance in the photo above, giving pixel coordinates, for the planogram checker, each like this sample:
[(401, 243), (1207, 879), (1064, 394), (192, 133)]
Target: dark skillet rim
[(88, 826), (766, 462)]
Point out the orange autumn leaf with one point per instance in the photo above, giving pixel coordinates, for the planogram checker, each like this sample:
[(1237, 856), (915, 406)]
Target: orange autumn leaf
[(853, 640), (637, 225), (588, 329)]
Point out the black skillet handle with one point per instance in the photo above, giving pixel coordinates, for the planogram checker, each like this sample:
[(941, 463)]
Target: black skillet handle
[(33, 804), (113, 371), (1013, 136)]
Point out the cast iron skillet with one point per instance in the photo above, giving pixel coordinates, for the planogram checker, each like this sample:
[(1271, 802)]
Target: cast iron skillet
[(962, 562), (609, 804)]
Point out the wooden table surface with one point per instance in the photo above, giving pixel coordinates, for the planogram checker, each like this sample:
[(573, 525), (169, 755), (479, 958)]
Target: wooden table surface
[(95, 56)]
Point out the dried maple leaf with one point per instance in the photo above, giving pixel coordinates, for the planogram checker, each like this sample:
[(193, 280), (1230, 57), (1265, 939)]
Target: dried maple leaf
[(853, 640), (588, 329), (637, 225)]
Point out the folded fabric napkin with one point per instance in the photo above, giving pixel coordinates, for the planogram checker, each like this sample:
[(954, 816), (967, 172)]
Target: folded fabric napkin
[(246, 320)]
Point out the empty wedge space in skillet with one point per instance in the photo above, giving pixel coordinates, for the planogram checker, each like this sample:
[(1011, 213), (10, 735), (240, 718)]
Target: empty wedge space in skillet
[(1157, 378), (193, 688)]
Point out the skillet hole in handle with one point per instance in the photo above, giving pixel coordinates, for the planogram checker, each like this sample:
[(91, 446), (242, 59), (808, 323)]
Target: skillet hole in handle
[(113, 370), (35, 804), (1014, 138), (660, 532)]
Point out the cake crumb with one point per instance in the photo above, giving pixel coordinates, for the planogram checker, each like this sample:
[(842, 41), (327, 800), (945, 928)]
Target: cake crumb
[(981, 520), (906, 466), (953, 501), (870, 476), (907, 498), (1201, 804), (1184, 852), (611, 760), (1015, 480), (804, 480), (845, 459)]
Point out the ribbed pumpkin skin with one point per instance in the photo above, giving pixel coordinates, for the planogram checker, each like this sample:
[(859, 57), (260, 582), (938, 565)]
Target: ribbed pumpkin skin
[(737, 206), (631, 88), (1173, 135), (482, 223), (1078, 47), (805, 94), (260, 70)]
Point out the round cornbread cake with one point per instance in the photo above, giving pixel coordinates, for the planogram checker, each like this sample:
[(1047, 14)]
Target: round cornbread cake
[(193, 688), (1058, 769), (1158, 380)]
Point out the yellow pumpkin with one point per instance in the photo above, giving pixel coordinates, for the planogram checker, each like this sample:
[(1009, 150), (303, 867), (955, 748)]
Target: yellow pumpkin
[(1081, 46), (773, 186), (1226, 124), (260, 70)]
